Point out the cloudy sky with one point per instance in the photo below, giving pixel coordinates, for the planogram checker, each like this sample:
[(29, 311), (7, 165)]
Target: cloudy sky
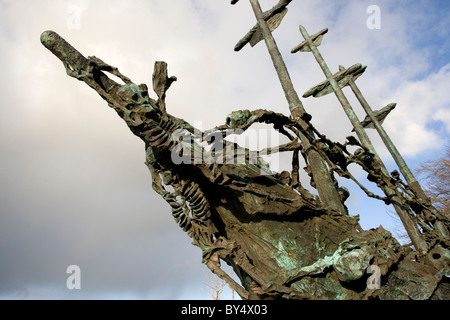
[(74, 189)]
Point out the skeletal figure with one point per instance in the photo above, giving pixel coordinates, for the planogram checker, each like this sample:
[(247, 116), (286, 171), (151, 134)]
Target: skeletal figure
[(270, 229)]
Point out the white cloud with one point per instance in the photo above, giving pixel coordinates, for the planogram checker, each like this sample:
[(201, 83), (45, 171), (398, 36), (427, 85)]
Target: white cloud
[(419, 103)]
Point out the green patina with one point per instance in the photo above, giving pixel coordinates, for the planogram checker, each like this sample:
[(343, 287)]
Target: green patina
[(280, 242)]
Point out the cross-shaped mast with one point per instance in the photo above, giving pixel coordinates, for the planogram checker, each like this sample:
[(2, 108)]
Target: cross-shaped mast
[(326, 186), (335, 83), (320, 173)]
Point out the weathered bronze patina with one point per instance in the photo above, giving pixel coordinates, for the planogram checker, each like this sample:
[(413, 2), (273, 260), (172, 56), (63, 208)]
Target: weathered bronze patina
[(282, 241)]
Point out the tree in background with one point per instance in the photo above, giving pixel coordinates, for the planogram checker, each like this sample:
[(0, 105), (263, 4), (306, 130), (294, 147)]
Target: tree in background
[(216, 286), (436, 175)]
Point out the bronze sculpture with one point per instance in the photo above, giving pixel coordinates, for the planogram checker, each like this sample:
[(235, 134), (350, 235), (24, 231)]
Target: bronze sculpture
[(281, 241)]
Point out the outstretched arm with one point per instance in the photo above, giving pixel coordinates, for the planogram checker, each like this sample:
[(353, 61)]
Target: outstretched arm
[(79, 67)]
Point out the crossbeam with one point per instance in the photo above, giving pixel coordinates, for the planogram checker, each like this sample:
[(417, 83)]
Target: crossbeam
[(403, 212), (273, 18), (325, 185), (375, 120)]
